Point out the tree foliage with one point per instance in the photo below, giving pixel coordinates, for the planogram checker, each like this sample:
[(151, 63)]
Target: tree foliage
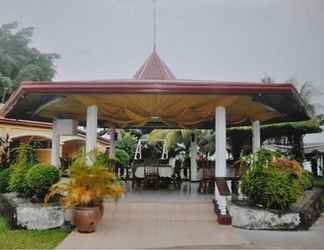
[(19, 61), (127, 142), (172, 137), (175, 137), (309, 93)]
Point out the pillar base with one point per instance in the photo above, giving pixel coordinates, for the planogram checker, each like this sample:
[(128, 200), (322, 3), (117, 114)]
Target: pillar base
[(224, 219), (221, 218)]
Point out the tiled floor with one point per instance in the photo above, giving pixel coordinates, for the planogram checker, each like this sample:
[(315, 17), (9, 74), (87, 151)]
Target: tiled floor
[(156, 225), (181, 219), (158, 219)]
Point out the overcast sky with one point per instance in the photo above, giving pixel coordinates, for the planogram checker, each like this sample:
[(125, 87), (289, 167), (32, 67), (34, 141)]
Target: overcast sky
[(235, 40)]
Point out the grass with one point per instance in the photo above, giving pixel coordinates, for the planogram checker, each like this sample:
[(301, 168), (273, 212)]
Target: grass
[(319, 183), (29, 239)]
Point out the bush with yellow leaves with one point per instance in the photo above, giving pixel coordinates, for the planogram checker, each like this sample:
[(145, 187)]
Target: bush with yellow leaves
[(88, 184)]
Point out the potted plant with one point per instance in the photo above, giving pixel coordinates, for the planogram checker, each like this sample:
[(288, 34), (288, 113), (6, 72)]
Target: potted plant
[(85, 190)]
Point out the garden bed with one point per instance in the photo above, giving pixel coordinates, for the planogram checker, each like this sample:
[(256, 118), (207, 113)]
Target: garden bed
[(301, 216), (21, 213)]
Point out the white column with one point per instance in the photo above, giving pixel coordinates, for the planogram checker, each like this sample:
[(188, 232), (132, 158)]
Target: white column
[(220, 154), (112, 147), (256, 136), (193, 157), (61, 148), (55, 151), (91, 128)]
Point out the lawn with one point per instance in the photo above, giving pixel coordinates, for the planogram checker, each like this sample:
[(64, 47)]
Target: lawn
[(319, 183), (29, 239)]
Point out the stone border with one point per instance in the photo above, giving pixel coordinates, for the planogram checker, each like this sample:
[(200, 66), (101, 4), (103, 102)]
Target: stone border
[(21, 213), (302, 215), (261, 219)]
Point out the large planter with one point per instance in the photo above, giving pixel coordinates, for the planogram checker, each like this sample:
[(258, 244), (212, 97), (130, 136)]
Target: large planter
[(86, 218), (21, 213), (302, 214), (260, 219)]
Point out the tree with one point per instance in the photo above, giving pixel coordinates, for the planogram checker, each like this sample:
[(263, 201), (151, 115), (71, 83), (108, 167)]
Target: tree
[(19, 61), (172, 137), (127, 142), (309, 93), (180, 139)]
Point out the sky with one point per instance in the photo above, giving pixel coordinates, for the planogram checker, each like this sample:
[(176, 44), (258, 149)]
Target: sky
[(231, 40)]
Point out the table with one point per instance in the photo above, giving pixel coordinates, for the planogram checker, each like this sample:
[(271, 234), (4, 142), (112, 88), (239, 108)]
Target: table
[(163, 171)]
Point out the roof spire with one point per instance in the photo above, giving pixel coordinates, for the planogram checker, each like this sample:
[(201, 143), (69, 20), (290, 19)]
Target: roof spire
[(154, 24), (154, 68)]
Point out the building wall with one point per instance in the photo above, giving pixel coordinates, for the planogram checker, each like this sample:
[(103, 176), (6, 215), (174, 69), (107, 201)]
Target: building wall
[(70, 145)]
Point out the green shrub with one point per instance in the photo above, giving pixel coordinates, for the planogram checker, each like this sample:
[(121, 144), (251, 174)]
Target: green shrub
[(267, 182), (4, 180), (24, 159), (122, 157), (40, 178), (17, 181)]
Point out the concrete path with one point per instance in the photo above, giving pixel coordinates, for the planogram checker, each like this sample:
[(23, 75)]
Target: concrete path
[(184, 224), (181, 219), (310, 239)]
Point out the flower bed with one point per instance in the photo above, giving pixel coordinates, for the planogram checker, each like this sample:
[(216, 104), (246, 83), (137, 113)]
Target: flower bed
[(302, 214), (21, 213), (275, 197)]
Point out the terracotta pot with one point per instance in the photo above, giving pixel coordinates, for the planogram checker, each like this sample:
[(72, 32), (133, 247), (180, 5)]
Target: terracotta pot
[(86, 218)]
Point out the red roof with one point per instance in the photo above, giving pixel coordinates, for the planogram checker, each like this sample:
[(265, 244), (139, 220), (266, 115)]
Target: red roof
[(154, 69)]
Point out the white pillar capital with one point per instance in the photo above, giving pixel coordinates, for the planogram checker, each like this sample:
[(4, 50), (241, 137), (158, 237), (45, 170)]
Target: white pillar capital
[(256, 136)]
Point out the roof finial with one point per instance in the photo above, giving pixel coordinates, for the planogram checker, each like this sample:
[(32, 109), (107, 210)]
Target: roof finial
[(154, 25)]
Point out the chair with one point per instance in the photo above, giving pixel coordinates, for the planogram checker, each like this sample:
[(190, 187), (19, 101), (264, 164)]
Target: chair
[(151, 177), (176, 176), (136, 181)]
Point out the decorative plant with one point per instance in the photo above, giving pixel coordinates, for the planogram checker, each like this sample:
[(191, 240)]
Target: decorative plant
[(24, 152), (122, 157), (4, 152), (18, 182), (4, 180), (24, 161), (40, 178), (88, 185), (271, 181)]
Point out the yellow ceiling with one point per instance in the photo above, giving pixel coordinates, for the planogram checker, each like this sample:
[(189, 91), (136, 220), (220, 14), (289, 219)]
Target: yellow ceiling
[(186, 111)]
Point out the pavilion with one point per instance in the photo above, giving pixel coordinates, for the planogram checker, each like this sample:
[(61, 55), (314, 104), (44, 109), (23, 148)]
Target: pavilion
[(154, 98)]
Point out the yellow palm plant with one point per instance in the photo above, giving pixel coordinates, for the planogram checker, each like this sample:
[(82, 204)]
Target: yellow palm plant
[(88, 184)]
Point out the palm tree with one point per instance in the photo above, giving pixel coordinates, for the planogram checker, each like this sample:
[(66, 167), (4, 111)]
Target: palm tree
[(308, 92), (172, 137), (180, 139)]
